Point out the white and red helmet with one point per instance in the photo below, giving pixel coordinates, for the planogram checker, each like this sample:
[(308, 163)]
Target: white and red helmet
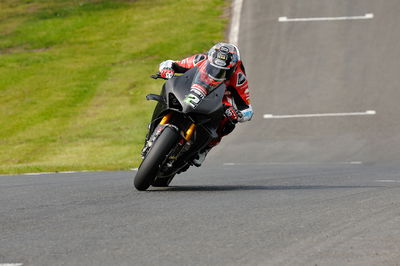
[(222, 60)]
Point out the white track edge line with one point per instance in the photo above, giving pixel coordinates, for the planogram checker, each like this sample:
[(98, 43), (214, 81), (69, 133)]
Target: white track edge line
[(286, 19), (294, 163), (64, 172), (272, 116), (235, 25)]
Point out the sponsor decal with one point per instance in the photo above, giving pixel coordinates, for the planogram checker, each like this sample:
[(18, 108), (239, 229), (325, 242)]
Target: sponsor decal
[(199, 89), (224, 49), (241, 79), (192, 99), (198, 58), (220, 62), (222, 56)]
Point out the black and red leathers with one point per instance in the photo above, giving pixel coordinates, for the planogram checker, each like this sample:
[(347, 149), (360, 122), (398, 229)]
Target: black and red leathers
[(236, 96)]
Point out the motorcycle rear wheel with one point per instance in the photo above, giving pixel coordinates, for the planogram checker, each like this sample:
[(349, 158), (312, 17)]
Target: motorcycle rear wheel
[(150, 165)]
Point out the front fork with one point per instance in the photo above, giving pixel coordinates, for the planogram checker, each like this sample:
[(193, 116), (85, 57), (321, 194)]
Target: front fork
[(184, 143), (189, 132)]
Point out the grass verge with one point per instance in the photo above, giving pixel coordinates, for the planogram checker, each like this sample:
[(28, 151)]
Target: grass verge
[(73, 76)]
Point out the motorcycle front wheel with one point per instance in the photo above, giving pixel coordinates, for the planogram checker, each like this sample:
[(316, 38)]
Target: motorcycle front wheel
[(151, 164)]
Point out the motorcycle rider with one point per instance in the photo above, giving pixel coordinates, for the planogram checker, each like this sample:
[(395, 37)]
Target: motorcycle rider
[(222, 63)]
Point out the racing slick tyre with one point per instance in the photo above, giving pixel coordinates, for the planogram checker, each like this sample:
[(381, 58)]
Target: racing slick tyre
[(150, 165)]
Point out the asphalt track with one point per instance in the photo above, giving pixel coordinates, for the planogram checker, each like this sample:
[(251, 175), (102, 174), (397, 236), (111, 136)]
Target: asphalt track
[(294, 191)]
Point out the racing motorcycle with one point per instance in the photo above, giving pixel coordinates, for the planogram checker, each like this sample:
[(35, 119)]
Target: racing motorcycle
[(182, 125)]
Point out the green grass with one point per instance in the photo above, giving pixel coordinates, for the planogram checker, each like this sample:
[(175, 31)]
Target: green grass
[(73, 76)]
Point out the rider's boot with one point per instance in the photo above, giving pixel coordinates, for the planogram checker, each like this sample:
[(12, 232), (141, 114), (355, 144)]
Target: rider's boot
[(201, 156)]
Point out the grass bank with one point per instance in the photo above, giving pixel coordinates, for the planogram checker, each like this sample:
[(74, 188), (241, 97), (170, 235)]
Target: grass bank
[(73, 76)]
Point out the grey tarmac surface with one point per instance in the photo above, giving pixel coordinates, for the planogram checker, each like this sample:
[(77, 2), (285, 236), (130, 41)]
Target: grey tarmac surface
[(301, 191)]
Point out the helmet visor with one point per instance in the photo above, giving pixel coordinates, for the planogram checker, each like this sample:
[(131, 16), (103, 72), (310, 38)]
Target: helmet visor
[(215, 72), (209, 77)]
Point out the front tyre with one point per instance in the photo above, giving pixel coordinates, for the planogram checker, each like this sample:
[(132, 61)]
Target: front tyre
[(150, 165)]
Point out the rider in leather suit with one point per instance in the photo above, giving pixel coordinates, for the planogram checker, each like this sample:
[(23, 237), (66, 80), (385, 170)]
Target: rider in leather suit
[(222, 63)]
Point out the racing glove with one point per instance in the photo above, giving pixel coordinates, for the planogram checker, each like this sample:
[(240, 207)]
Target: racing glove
[(166, 70), (232, 114)]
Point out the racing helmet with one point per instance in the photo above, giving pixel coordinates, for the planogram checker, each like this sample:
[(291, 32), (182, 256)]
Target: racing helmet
[(222, 60)]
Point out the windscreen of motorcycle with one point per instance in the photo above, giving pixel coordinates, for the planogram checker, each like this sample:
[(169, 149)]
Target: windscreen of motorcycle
[(208, 77)]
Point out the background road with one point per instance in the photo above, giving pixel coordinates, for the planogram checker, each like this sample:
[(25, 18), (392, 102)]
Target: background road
[(295, 191)]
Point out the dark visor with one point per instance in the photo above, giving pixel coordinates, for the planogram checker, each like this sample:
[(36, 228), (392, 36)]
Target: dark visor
[(215, 72)]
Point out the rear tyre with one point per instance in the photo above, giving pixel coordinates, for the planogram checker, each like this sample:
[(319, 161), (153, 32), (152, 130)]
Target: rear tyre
[(150, 165)]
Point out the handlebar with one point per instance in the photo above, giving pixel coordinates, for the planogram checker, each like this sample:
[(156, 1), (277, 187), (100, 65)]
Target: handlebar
[(158, 76)]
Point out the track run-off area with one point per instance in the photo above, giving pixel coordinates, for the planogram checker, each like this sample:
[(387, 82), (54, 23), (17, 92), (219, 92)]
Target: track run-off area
[(313, 179)]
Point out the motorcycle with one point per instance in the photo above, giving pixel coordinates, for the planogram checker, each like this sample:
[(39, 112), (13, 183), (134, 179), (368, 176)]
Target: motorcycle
[(182, 125)]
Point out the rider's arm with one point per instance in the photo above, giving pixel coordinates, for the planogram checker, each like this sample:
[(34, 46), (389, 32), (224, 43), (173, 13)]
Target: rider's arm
[(188, 63), (239, 87), (183, 65)]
